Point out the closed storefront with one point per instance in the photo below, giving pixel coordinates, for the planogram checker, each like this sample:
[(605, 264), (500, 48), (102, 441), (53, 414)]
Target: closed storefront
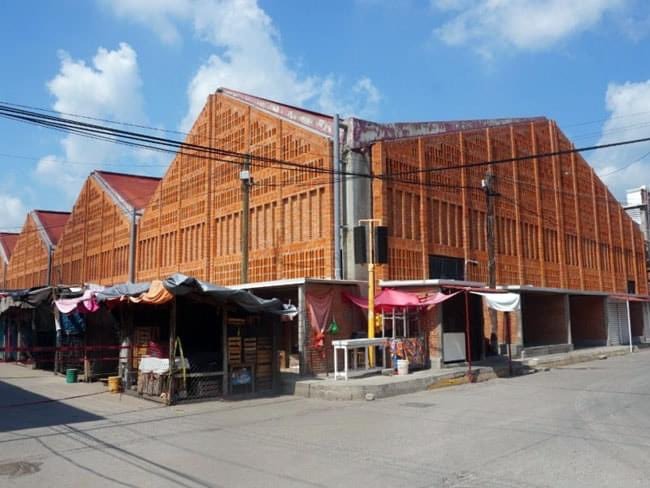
[(617, 323)]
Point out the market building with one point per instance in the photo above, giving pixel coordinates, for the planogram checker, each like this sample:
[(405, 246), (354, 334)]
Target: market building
[(557, 224), (304, 180), (30, 264), (7, 243), (97, 241), (559, 233)]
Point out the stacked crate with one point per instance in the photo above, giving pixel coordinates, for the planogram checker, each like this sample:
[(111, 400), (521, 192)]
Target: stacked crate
[(234, 351), (142, 336), (264, 364)]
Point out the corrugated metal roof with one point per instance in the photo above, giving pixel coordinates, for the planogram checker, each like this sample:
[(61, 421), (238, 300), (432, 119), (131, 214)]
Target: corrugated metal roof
[(136, 190), (51, 223), (364, 132)]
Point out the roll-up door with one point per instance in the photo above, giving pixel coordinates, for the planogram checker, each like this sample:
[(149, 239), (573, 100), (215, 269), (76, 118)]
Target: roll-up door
[(617, 330)]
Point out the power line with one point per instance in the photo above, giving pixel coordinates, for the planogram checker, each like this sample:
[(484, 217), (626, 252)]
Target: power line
[(516, 159)]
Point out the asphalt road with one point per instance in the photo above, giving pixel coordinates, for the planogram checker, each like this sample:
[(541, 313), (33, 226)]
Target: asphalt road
[(581, 426)]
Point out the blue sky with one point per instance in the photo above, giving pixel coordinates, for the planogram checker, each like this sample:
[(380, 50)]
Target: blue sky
[(584, 64)]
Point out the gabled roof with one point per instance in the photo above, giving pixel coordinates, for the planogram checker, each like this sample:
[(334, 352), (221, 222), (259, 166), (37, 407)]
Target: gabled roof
[(50, 224), (364, 132), (132, 190), (7, 244), (314, 121)]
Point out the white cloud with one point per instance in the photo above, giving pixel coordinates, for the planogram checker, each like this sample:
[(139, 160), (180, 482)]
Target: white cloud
[(249, 56), (154, 13), (109, 88), (12, 212), (361, 99), (487, 25), (625, 167)]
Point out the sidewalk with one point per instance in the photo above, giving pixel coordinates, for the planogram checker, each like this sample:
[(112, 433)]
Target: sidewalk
[(379, 386)]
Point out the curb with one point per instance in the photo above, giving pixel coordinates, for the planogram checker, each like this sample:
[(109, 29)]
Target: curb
[(351, 392)]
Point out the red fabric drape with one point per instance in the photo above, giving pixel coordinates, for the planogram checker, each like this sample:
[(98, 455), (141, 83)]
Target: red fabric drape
[(319, 307)]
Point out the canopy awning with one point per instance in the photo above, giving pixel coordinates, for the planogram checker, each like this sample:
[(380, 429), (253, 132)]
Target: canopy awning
[(502, 302), (160, 292), (388, 300)]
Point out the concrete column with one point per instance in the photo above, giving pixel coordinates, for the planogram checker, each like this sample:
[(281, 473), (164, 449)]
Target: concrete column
[(302, 330), (567, 319)]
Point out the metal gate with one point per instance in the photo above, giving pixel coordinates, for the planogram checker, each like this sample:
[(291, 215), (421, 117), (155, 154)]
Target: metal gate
[(617, 326)]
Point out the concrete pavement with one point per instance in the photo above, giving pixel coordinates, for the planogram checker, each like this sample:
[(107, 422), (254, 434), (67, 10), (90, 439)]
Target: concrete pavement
[(378, 386), (578, 426)]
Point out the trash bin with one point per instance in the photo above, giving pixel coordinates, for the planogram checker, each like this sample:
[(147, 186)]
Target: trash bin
[(402, 367), (71, 375)]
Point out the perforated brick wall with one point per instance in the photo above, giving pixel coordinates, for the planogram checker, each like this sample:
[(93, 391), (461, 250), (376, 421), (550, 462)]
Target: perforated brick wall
[(557, 225)]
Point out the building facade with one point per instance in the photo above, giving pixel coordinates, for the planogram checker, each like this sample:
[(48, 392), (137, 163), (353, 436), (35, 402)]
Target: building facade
[(96, 242), (7, 243), (192, 223), (31, 260), (556, 224)]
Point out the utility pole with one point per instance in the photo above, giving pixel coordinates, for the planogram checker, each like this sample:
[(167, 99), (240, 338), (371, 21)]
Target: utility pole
[(372, 223), (490, 221), (246, 182)]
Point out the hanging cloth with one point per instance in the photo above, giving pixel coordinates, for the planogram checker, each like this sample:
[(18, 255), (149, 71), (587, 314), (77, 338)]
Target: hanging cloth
[(85, 303), (319, 308), (502, 302), (156, 295)]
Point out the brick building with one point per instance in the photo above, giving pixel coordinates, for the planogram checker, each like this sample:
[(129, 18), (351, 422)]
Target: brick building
[(557, 223), (96, 241), (561, 238), (559, 232), (7, 243), (31, 260)]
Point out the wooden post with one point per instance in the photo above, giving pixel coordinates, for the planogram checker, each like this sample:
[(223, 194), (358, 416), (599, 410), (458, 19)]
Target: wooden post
[(172, 352), (468, 338), (274, 352), (224, 361)]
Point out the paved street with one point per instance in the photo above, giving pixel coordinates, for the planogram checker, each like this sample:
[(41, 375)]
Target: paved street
[(581, 426)]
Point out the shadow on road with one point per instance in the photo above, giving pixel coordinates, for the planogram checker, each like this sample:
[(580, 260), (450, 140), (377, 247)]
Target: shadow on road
[(23, 409)]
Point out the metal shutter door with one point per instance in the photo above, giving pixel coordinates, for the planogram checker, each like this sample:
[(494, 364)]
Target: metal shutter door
[(613, 323), (624, 333)]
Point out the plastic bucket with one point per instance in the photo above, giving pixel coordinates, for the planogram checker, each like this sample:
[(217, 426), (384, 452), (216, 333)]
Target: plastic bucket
[(402, 367), (114, 384), (71, 375)]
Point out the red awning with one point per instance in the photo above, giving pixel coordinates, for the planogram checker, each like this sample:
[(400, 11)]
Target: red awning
[(387, 300)]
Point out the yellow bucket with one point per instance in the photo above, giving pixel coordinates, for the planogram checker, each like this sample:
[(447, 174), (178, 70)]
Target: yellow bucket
[(114, 384)]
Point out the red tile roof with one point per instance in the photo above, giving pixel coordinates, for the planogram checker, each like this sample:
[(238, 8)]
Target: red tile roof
[(136, 190), (53, 223), (8, 241)]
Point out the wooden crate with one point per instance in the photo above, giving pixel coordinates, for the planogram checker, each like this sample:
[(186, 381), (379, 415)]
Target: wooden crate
[(264, 364), (234, 351), (250, 350)]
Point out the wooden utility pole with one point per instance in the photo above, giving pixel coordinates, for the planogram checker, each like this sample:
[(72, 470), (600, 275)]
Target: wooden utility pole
[(246, 181), (490, 226)]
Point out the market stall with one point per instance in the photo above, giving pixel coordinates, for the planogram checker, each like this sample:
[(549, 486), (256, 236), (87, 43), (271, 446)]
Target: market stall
[(218, 341), (399, 324)]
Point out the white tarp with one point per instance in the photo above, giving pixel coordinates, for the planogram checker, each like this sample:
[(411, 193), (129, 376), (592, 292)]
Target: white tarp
[(503, 302)]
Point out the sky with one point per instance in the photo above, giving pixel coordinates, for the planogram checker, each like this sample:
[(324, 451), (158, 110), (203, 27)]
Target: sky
[(153, 62)]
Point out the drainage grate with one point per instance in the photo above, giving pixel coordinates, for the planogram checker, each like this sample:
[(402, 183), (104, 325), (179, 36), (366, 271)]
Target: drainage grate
[(418, 404), (19, 468)]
